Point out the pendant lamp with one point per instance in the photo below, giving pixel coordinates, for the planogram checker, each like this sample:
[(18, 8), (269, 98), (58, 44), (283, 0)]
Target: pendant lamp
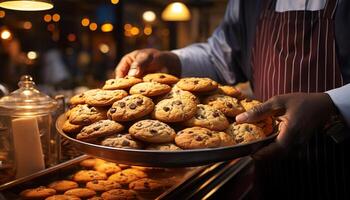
[(26, 5)]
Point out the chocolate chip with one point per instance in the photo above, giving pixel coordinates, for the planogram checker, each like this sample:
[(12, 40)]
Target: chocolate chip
[(112, 110), (239, 140), (216, 114), (229, 105), (125, 143), (190, 131), (146, 184), (177, 102), (93, 109), (81, 95), (210, 134), (112, 82), (198, 138), (196, 82), (121, 104), (161, 76), (157, 124), (166, 109), (86, 120), (95, 181), (199, 116), (96, 128), (139, 102), (152, 131), (132, 106), (142, 90)]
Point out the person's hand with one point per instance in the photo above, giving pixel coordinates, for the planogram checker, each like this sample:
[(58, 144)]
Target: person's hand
[(300, 116), (140, 62)]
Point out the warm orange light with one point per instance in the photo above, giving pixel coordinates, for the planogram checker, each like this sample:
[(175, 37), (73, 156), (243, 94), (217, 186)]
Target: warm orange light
[(134, 31), (127, 34), (2, 14), (71, 37), (127, 27), (32, 55), (176, 11), (149, 16), (27, 25), (93, 26), (104, 48), (47, 18), (107, 27), (26, 5), (85, 22), (114, 1), (56, 17), (147, 30), (51, 27), (6, 34)]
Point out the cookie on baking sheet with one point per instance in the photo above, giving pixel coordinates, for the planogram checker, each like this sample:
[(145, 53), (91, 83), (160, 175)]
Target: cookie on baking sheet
[(122, 141), (102, 185), (85, 114), (248, 104), (161, 78), (37, 193), (163, 147), (226, 139), (88, 163), (174, 110), (228, 90), (99, 129), (77, 99), (244, 133), (121, 83), (120, 194), (98, 97), (152, 131), (197, 138), (130, 108), (127, 176), (69, 128), (178, 93), (63, 185), (108, 168), (62, 197), (197, 84), (208, 117), (150, 89), (89, 175), (146, 185), (229, 106), (81, 192), (95, 198)]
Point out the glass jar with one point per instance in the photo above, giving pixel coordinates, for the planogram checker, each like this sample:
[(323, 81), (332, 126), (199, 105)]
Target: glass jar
[(28, 141)]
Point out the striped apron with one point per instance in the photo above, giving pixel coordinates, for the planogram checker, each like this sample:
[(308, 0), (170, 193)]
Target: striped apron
[(295, 51)]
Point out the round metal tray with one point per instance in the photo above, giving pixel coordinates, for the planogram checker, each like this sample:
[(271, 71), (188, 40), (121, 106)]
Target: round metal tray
[(156, 158)]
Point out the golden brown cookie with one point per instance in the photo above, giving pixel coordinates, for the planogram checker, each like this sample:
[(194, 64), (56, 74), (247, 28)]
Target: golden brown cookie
[(100, 129), (161, 78), (127, 176), (37, 193), (208, 117), (121, 83), (146, 185), (120, 194), (150, 89), (130, 108), (174, 110), (163, 147), (81, 192), (102, 185), (69, 128), (228, 90), (245, 133), (229, 106), (178, 93), (63, 185), (248, 104), (62, 197), (197, 138), (108, 168), (95, 198), (152, 131), (122, 141), (88, 163), (85, 114), (98, 97), (88, 175), (77, 99), (197, 84), (226, 139)]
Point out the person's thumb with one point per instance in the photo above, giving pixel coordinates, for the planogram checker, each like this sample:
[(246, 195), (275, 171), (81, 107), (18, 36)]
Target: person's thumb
[(255, 114), (141, 61)]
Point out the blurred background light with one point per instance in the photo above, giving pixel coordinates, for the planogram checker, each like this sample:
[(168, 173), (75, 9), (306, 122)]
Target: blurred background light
[(32, 55), (149, 16), (176, 11), (107, 27), (56, 17), (104, 48), (114, 1), (5, 34), (85, 22), (47, 18), (26, 5), (2, 14), (27, 25), (134, 31), (93, 26), (147, 30), (71, 37)]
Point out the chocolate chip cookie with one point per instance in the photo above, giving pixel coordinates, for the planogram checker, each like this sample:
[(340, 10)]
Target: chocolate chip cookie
[(102, 185), (178, 93), (150, 89), (228, 90), (152, 131), (163, 147), (99, 129), (81, 192), (248, 104), (208, 117), (146, 185), (130, 108), (127, 176), (161, 78), (108, 168), (197, 84), (62, 197), (245, 133), (120, 194), (37, 193), (121, 83), (197, 138), (63, 185), (85, 114), (174, 110), (69, 128), (98, 97), (226, 104), (77, 99), (122, 141), (89, 175), (226, 139)]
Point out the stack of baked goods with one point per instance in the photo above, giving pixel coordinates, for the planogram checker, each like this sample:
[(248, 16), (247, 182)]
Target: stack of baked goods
[(162, 112)]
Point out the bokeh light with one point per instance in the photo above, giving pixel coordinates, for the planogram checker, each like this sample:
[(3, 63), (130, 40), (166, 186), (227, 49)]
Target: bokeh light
[(149, 16)]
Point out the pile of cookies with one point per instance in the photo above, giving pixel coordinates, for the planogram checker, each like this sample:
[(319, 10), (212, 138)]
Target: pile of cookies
[(162, 112), (100, 179)]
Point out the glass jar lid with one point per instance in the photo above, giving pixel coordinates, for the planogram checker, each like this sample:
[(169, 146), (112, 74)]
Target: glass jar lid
[(27, 100)]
